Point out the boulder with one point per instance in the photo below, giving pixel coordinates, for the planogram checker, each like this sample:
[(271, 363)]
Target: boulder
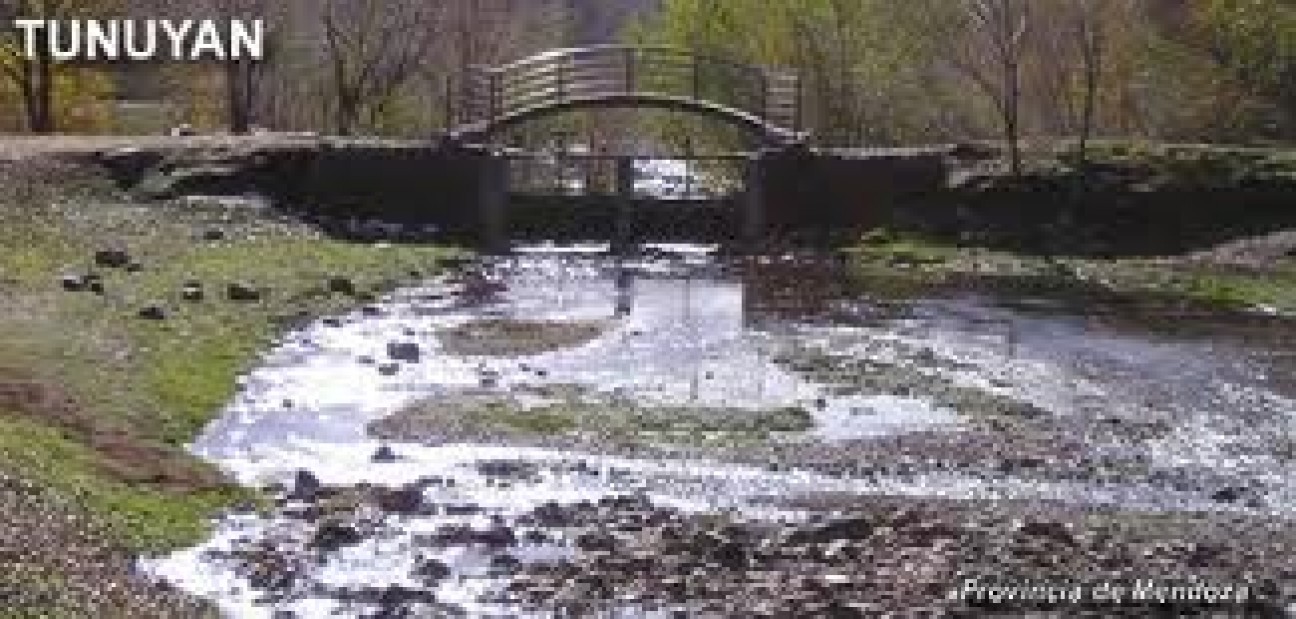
[(243, 292), (407, 352), (341, 285), (333, 536), (306, 487), (431, 571), (112, 258), (73, 283), (384, 455), (153, 311)]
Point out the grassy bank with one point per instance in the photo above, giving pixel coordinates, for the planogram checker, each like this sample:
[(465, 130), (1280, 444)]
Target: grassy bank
[(1210, 280), (102, 385)]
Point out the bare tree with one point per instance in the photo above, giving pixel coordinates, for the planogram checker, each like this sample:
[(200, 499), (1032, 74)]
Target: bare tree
[(1088, 25), (34, 76), (995, 36), (373, 48)]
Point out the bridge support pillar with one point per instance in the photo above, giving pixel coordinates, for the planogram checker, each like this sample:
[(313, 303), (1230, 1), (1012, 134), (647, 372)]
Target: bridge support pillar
[(623, 227), (753, 202), (492, 202)]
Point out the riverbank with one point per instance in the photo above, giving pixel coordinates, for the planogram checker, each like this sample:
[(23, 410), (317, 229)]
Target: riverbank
[(123, 327)]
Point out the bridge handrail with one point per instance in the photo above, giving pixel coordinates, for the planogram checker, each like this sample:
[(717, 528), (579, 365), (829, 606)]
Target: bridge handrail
[(653, 73)]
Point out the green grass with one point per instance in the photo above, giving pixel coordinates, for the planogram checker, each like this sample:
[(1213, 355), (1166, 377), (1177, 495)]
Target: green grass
[(884, 261), (140, 517), (151, 384)]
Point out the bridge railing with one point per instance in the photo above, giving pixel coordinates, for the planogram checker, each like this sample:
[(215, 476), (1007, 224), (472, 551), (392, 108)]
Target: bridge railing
[(602, 71)]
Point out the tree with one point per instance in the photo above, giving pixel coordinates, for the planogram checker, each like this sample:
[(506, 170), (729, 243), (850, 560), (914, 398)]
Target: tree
[(993, 43), (373, 48), (35, 77)]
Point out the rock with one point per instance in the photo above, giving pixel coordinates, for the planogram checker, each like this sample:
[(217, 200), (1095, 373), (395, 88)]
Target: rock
[(153, 312), (1055, 531), (371, 311), (841, 529), (1231, 494), (73, 283), (408, 352), (306, 487), (243, 292), (96, 286), (499, 536), (134, 267), (192, 292), (389, 369), (404, 501), (182, 130), (332, 323), (732, 555), (341, 285), (597, 541), (112, 258), (384, 455), (512, 469), (213, 234), (431, 571), (332, 536)]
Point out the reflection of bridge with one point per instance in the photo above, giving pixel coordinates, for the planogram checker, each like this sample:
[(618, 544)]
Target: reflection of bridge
[(764, 102)]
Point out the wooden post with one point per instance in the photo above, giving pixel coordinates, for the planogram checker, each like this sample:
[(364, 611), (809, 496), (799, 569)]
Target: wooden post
[(697, 77), (796, 102), (496, 105), (629, 70)]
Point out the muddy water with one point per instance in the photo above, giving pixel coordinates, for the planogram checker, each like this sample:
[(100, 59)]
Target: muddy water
[(1138, 418)]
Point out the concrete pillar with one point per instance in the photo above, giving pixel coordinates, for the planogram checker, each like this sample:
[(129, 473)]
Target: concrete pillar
[(753, 201), (622, 230), (492, 201)]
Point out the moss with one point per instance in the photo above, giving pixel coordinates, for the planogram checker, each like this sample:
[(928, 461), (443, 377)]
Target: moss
[(596, 420), (518, 338)]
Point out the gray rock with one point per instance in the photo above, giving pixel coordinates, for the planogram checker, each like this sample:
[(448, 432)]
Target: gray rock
[(341, 285), (306, 487), (243, 292), (408, 352), (192, 292), (431, 571), (73, 283), (384, 455), (113, 258), (333, 536), (153, 311)]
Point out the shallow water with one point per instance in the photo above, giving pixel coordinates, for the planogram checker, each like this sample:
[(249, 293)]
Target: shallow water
[(691, 329)]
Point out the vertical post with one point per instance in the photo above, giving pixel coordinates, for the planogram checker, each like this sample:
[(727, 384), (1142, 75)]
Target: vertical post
[(492, 200), (562, 78), (495, 95), (753, 201), (763, 75), (796, 102), (629, 70), (624, 203), (697, 77)]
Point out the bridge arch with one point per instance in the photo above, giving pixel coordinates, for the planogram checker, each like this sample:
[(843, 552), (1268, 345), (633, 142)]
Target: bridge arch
[(761, 101)]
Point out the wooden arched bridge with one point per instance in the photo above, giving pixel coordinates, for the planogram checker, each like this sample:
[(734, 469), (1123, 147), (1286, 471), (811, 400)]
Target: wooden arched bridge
[(762, 101)]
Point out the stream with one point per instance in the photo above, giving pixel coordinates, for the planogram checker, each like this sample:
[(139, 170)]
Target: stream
[(960, 397)]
